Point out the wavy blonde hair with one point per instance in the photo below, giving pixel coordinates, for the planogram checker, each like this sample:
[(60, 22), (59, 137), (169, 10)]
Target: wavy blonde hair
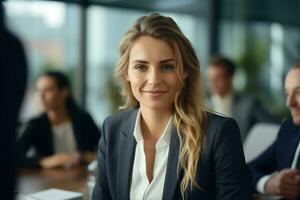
[(189, 110)]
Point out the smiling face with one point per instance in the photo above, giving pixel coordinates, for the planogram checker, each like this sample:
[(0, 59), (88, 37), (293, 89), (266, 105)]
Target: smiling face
[(152, 73), (292, 90)]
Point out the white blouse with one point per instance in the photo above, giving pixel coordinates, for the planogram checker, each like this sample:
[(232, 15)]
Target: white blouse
[(63, 138), (140, 187)]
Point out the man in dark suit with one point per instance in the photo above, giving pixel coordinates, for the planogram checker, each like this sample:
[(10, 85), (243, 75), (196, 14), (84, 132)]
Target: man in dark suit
[(12, 83), (276, 170), (245, 109)]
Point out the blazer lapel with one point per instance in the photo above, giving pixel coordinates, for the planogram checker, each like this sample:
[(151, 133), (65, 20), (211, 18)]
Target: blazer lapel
[(291, 146), (172, 173), (126, 157)]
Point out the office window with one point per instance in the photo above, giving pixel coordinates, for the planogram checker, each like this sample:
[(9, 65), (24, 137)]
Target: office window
[(264, 52), (50, 34)]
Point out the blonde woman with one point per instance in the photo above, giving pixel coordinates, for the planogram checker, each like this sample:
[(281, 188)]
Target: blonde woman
[(167, 145)]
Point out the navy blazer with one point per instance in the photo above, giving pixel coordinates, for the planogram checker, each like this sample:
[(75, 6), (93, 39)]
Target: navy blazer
[(38, 134), (279, 155), (222, 172)]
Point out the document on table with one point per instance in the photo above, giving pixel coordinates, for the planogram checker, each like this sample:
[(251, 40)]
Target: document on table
[(52, 194)]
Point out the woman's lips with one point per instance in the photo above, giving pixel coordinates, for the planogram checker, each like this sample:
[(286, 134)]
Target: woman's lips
[(155, 93)]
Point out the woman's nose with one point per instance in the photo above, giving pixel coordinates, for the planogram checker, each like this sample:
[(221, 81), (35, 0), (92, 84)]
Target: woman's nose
[(154, 76)]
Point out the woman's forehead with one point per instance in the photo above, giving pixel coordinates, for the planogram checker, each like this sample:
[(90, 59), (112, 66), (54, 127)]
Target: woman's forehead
[(150, 48)]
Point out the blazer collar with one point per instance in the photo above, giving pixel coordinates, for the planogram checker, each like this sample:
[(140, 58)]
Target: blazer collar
[(128, 128), (126, 158)]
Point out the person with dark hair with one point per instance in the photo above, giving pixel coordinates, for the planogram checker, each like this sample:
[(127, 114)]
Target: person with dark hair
[(63, 135), (166, 144), (245, 109), (276, 170)]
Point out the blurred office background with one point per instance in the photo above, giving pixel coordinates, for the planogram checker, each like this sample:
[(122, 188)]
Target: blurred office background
[(80, 37)]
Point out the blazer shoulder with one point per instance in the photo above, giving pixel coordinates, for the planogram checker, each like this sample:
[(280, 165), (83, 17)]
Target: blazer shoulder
[(39, 120), (216, 120), (125, 118), (120, 116), (81, 115), (287, 127), (288, 122), (36, 125), (220, 126)]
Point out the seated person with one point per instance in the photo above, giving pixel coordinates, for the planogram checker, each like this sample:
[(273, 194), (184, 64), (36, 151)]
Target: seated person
[(166, 145), (225, 100), (276, 170), (63, 135)]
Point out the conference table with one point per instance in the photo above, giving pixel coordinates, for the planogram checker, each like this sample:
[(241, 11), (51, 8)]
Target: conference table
[(72, 179), (35, 180)]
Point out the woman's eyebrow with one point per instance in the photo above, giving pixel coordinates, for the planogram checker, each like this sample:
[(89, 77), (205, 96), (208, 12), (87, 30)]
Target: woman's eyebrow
[(140, 61), (162, 61), (167, 60)]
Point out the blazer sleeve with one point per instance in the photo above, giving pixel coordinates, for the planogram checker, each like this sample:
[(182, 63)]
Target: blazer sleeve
[(25, 141), (101, 190), (263, 165), (268, 161), (233, 178)]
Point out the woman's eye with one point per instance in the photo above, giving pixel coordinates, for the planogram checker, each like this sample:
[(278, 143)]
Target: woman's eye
[(141, 67), (167, 67)]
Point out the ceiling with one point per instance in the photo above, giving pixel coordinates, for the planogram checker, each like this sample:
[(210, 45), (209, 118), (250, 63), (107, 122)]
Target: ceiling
[(280, 11)]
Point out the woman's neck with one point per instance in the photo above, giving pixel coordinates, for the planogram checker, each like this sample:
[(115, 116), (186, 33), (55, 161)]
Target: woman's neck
[(153, 122), (58, 116)]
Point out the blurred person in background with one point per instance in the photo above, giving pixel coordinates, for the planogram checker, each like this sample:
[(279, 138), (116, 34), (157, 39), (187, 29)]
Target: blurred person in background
[(277, 170), (13, 79), (245, 109), (64, 135)]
